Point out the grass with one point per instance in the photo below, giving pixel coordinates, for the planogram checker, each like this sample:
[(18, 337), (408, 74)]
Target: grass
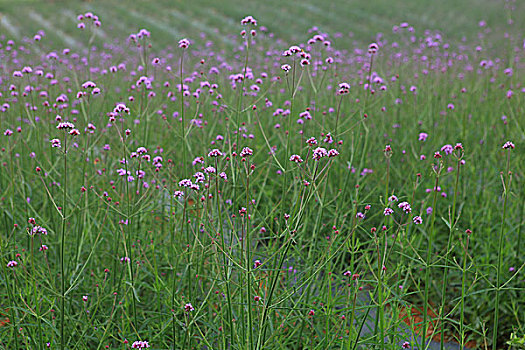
[(105, 243)]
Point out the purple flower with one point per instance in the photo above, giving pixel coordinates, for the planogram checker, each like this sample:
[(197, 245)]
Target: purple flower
[(372, 48), (188, 307), (405, 206), (246, 151), (296, 158), (333, 153), (184, 43), (417, 220), (140, 344), (249, 20), (215, 153), (344, 88), (447, 149), (319, 153)]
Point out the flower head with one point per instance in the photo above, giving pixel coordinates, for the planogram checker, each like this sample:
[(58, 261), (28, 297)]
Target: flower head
[(184, 43), (140, 344), (248, 20), (344, 88), (319, 153), (372, 48)]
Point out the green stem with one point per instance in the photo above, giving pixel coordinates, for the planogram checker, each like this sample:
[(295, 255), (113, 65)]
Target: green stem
[(62, 246), (427, 261), (452, 223), (506, 190)]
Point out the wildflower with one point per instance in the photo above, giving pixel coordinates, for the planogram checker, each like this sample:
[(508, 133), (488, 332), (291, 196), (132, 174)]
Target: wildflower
[(447, 149), (344, 88), (188, 307), (37, 230), (294, 49), (65, 125), (12, 263), (392, 198), (246, 151), (319, 153), (215, 153), (388, 211), (360, 216), (417, 220), (8, 132), (185, 183), (311, 141), (286, 68), (406, 345), (372, 48), (405, 206), (197, 160), (333, 153), (89, 85), (223, 176), (429, 210), (257, 263), (184, 43), (328, 138), (423, 136), (508, 145), (140, 344), (296, 158), (248, 20), (85, 298), (178, 194), (305, 115)]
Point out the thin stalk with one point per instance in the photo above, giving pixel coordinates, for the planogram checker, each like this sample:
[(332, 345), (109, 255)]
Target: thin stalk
[(10, 293), (62, 246), (452, 223), (463, 292), (182, 128), (506, 189), (427, 261), (35, 294), (248, 263)]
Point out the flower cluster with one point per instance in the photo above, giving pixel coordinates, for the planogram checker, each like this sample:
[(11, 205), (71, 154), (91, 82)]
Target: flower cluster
[(88, 17), (140, 344)]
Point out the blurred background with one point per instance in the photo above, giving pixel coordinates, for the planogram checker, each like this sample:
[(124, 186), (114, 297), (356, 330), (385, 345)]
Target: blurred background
[(349, 22)]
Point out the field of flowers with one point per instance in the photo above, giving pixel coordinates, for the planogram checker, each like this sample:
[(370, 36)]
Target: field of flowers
[(234, 182)]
